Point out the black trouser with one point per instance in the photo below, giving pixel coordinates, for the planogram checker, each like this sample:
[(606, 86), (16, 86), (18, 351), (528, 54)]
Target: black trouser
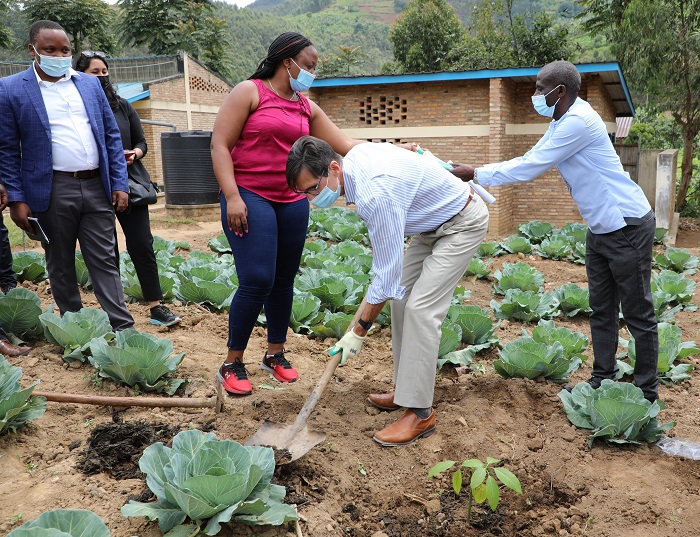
[(80, 209), (136, 226), (618, 266), (7, 274)]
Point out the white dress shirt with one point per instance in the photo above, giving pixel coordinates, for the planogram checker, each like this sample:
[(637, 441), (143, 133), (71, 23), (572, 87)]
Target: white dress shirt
[(397, 193), (73, 146), (579, 146)]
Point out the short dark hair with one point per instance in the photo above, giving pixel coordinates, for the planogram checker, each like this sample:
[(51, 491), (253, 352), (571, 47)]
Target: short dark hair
[(286, 45), (38, 26), (563, 72), (312, 154)]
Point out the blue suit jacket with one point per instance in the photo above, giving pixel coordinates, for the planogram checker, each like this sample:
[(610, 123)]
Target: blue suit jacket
[(26, 162)]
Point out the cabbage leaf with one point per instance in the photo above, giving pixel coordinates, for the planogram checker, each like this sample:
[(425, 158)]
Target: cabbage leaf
[(17, 407), (526, 306), (517, 276), (20, 309), (573, 299), (137, 359), (29, 266), (76, 330), (573, 343), (616, 412), (210, 481), (678, 260), (527, 358), (63, 523), (536, 231)]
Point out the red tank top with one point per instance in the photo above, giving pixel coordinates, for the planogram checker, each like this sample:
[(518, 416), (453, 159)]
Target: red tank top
[(260, 154)]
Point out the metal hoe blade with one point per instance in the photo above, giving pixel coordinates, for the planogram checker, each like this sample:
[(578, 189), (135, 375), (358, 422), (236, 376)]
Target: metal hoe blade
[(293, 441)]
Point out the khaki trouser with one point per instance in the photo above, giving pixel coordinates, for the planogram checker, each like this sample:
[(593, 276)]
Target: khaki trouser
[(433, 265)]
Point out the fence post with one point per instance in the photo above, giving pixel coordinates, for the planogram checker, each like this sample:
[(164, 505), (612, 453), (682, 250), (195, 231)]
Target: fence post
[(666, 165)]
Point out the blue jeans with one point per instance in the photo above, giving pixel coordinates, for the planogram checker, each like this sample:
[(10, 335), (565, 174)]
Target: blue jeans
[(267, 260), (618, 266)]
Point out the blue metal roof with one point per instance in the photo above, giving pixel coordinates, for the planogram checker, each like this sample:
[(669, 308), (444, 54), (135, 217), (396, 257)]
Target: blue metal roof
[(612, 69), (132, 91)]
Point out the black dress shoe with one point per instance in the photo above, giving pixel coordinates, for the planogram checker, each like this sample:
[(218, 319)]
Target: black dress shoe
[(8, 349), (593, 381)]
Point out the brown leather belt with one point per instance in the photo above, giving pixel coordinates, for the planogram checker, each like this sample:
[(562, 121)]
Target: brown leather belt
[(83, 174), (472, 193)]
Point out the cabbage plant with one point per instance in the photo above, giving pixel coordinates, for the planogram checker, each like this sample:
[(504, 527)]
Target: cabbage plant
[(137, 359), (616, 412), (678, 260), (208, 280), (516, 244), (517, 276), (19, 313), (76, 330), (575, 231), (573, 299), (573, 343), (578, 253), (680, 288), (489, 249), (29, 266), (219, 244), (476, 325), (555, 247), (450, 338), (63, 523), (304, 311), (81, 271), (17, 407), (527, 358), (663, 307), (671, 350), (536, 231), (201, 482), (332, 324), (159, 243), (335, 291), (478, 268), (526, 306), (337, 224), (661, 236)]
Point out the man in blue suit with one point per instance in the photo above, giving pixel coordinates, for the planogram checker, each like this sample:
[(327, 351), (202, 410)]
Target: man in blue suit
[(62, 162)]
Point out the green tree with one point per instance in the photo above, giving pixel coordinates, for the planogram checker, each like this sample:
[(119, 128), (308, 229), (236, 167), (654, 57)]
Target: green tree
[(5, 32), (85, 20), (498, 38), (168, 26), (424, 34), (342, 62), (658, 45)]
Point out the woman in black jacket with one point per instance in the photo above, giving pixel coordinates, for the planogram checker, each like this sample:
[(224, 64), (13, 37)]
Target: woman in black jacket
[(134, 221)]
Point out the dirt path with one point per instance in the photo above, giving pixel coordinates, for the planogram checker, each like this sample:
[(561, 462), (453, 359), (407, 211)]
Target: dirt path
[(348, 485)]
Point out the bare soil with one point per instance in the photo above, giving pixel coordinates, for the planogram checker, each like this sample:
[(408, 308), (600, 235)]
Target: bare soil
[(84, 457)]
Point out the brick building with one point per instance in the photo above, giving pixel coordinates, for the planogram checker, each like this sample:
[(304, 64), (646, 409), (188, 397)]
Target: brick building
[(475, 117), (187, 95)]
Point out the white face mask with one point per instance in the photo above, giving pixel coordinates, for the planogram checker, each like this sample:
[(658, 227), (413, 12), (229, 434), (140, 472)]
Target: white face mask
[(540, 104)]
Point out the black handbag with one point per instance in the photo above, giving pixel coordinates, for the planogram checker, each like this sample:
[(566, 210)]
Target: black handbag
[(140, 194)]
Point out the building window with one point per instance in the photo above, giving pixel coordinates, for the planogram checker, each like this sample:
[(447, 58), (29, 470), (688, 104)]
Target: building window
[(383, 110)]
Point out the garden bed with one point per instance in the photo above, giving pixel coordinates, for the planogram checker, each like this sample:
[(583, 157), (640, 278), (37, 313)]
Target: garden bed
[(349, 485)]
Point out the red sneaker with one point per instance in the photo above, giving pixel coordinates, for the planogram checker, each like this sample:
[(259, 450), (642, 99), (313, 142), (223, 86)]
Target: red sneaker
[(234, 378), (280, 368)]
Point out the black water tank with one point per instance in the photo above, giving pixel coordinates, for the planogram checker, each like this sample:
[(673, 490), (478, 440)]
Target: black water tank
[(188, 173)]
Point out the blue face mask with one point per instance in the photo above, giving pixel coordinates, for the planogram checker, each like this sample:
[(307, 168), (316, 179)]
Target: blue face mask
[(326, 197), (303, 80), (54, 65), (540, 104)]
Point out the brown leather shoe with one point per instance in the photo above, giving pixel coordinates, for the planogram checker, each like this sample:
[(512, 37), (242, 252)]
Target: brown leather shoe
[(408, 428), (383, 401), (8, 349)]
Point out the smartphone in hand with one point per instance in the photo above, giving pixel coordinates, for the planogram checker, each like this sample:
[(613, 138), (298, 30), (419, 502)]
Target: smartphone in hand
[(128, 153)]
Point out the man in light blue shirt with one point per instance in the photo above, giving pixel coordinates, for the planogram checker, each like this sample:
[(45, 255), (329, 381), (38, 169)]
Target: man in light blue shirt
[(620, 220), (399, 193)]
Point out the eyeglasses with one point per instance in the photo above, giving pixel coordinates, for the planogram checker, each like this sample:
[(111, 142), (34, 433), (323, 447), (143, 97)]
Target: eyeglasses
[(313, 190)]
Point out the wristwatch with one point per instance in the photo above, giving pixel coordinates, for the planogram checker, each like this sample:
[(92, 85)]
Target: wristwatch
[(475, 180), (365, 324)]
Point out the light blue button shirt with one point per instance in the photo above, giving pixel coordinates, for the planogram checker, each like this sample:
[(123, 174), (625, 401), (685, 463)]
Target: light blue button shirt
[(579, 146), (397, 193)]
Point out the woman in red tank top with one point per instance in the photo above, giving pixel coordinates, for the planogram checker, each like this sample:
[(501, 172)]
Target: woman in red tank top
[(265, 221)]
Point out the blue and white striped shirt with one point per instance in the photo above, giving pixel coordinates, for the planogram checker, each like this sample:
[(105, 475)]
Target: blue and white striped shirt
[(397, 193)]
